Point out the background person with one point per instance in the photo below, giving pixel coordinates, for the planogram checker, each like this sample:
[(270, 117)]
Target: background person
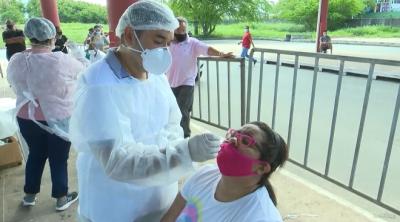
[(14, 39), (125, 124), (182, 74), (247, 42), (44, 83), (60, 41), (239, 188), (98, 39), (87, 40), (325, 42)]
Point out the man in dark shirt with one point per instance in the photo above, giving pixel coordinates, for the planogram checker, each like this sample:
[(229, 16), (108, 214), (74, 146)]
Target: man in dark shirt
[(60, 41), (14, 39), (325, 42)]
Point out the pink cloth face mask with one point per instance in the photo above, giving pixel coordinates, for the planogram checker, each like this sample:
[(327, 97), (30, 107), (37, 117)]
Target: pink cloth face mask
[(232, 163)]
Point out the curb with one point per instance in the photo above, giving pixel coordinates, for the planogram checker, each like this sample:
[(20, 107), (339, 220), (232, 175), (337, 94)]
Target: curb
[(344, 42)]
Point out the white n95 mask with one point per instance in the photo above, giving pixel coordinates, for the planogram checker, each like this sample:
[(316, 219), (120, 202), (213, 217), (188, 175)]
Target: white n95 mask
[(156, 61)]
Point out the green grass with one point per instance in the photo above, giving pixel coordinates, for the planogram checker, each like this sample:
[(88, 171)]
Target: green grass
[(279, 31), (260, 30), (77, 32)]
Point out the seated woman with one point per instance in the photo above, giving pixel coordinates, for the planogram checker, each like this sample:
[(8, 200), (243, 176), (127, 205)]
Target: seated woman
[(239, 189)]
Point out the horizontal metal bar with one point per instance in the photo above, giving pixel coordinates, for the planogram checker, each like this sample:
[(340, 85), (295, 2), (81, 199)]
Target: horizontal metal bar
[(219, 59), (331, 57), (210, 123)]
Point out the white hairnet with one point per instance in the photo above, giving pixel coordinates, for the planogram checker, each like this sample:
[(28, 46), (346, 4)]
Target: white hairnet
[(147, 15), (40, 29)]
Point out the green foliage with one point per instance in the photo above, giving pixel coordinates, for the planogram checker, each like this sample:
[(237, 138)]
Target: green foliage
[(306, 11), (73, 11), (342, 10), (301, 12), (11, 9), (381, 15), (76, 11), (33, 8), (369, 5), (261, 30), (209, 13)]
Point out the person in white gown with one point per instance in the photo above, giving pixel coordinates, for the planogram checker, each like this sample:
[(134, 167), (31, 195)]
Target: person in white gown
[(126, 124)]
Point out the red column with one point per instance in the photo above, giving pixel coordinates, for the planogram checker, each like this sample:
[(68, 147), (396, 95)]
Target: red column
[(115, 11), (322, 24), (50, 11)]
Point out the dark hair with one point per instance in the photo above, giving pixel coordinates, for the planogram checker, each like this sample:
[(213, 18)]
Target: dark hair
[(182, 19), (273, 150), (35, 41), (10, 22), (138, 34)]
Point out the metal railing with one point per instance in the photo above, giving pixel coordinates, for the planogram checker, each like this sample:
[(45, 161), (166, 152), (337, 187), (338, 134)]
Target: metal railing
[(339, 127), (218, 82)]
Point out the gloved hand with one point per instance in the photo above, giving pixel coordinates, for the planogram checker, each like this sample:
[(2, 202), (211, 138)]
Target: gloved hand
[(74, 49), (203, 147)]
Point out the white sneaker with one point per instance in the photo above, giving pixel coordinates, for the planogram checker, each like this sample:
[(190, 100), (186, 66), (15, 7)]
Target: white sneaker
[(29, 200), (64, 202)]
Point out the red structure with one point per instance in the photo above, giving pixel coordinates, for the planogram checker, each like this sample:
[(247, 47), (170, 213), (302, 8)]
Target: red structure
[(50, 11), (322, 24), (114, 13)]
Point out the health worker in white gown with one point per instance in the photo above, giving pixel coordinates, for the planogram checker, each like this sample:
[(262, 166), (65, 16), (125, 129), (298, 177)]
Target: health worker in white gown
[(126, 124)]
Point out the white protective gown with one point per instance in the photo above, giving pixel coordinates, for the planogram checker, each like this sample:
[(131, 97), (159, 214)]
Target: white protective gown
[(44, 83), (130, 144)]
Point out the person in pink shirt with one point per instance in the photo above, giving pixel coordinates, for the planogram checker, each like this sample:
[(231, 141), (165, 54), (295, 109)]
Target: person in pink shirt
[(246, 42), (44, 83), (183, 70)]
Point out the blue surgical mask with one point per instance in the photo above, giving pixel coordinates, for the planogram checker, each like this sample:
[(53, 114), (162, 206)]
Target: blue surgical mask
[(156, 61)]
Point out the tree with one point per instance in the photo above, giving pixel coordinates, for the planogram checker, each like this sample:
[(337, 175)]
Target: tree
[(72, 11), (12, 9), (208, 13), (306, 11), (33, 8)]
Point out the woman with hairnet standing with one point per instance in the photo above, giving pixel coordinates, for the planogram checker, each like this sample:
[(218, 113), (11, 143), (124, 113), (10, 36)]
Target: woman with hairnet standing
[(126, 124), (44, 83)]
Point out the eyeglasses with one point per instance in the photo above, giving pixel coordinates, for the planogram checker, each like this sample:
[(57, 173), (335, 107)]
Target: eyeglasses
[(241, 137)]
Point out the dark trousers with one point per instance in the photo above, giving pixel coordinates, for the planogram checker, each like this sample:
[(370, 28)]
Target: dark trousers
[(42, 146), (184, 97)]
